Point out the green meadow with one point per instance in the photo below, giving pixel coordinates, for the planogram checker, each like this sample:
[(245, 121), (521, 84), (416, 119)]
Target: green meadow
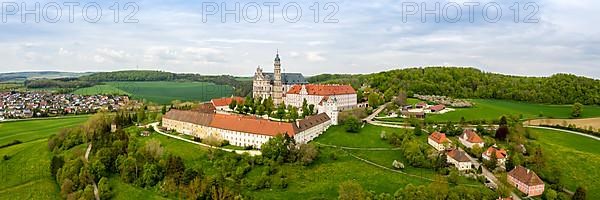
[(577, 156), (494, 109), (26, 173), (101, 89)]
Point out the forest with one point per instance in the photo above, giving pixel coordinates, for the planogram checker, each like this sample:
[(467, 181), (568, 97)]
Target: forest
[(242, 88), (474, 83)]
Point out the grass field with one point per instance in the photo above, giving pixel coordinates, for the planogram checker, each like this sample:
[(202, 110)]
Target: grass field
[(319, 180), (577, 156), (494, 109), (26, 175), (162, 92), (101, 89)]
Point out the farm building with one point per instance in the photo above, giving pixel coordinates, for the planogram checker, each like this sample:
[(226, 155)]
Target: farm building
[(437, 108), (459, 159), (526, 181), (438, 141), (470, 139), (500, 155)]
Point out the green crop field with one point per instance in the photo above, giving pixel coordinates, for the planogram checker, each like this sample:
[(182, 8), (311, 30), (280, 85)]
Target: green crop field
[(162, 92), (165, 92), (494, 109), (577, 156), (26, 174), (101, 89)]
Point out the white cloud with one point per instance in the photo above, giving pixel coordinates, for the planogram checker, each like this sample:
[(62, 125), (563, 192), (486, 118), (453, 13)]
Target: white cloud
[(315, 56)]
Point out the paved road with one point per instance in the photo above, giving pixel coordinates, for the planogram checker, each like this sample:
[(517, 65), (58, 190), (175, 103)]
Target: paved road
[(376, 112), (251, 152)]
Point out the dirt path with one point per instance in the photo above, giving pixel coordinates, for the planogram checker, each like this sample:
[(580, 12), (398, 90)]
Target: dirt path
[(87, 155)]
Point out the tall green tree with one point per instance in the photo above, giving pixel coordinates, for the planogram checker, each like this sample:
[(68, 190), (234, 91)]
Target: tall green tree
[(233, 104), (280, 113), (351, 190), (577, 110), (305, 111)]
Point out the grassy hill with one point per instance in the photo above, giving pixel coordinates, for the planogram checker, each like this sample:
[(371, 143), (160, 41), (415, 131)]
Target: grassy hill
[(26, 174), (472, 83), (577, 156)]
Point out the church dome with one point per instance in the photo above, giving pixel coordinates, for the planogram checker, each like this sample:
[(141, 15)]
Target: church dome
[(277, 57)]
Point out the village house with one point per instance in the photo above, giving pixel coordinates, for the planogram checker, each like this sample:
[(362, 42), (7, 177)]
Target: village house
[(408, 114), (470, 139), (243, 130), (500, 155), (459, 159), (437, 108), (438, 141), (526, 181)]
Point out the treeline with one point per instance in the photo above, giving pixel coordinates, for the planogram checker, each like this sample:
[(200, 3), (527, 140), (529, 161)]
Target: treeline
[(242, 88), (132, 75), (473, 83)]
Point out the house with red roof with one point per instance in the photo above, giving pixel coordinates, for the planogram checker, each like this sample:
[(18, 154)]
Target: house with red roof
[(438, 141), (526, 181), (501, 155), (437, 108), (470, 139), (222, 104)]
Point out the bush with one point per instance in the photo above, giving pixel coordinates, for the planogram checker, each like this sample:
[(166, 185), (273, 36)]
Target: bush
[(5, 157), (352, 124)]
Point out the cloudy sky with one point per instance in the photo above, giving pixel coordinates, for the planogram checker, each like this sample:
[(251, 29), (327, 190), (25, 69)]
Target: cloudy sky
[(362, 37)]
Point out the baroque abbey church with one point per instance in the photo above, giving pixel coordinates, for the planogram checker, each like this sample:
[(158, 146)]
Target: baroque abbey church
[(275, 84)]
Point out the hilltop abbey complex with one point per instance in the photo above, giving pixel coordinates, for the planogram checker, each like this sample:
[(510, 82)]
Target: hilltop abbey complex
[(223, 123)]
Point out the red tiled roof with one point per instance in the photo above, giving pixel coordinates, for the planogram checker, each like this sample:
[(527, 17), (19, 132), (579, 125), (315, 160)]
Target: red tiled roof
[(438, 137), (238, 123), (471, 136), (500, 153), (205, 108), (437, 108), (526, 176), (226, 101), (252, 125), (323, 90), (458, 155)]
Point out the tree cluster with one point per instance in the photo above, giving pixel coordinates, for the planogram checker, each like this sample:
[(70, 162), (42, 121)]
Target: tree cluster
[(473, 83)]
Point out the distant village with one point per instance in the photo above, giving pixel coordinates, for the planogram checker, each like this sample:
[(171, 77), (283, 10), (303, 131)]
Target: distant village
[(23, 105)]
